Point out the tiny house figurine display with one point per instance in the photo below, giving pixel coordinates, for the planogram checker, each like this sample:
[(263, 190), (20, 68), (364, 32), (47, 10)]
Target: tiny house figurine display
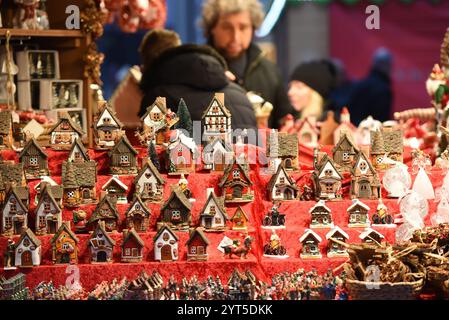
[(157, 121), (14, 214), (274, 248), (181, 155), (138, 215), (107, 127), (78, 152), (6, 135), (327, 180), (239, 219), (101, 245), (34, 160), (282, 186), (64, 245), (107, 212), (321, 216), (310, 245), (371, 236), (382, 216), (344, 153), (358, 214), (132, 246), (149, 183), (236, 184), (217, 119), (27, 250), (335, 249), (197, 246), (123, 158), (274, 219), (79, 180), (116, 190), (216, 155), (365, 182), (48, 214), (176, 211), (64, 133), (166, 244), (213, 217)]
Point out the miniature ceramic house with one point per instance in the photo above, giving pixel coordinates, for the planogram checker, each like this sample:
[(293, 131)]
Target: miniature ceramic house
[(123, 158), (176, 210), (28, 250), (64, 133), (327, 180), (6, 136), (48, 214), (213, 217), (236, 184), (34, 160), (77, 152), (14, 214), (149, 183), (321, 216), (116, 190), (283, 146), (358, 214), (345, 126), (182, 153), (371, 236), (239, 219), (365, 183), (217, 154), (11, 174), (138, 215), (107, 127), (107, 212), (281, 186), (64, 245), (47, 182), (132, 246), (335, 249), (197, 246), (166, 244), (308, 132), (101, 245), (310, 245), (157, 121), (386, 142), (81, 178), (344, 153), (217, 119)]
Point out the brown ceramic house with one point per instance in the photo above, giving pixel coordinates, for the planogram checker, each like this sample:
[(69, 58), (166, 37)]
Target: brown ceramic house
[(281, 186), (327, 180), (64, 133), (14, 214), (34, 160), (344, 153), (82, 180), (149, 183), (101, 245), (176, 210), (123, 158), (78, 152), (365, 182), (6, 137), (197, 246), (138, 215), (106, 211), (107, 127), (284, 146)]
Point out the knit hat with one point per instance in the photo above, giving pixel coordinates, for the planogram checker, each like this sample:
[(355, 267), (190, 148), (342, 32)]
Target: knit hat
[(318, 75), (155, 42)]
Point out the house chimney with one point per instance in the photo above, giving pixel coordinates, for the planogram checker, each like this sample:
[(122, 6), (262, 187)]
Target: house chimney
[(161, 101), (220, 97)]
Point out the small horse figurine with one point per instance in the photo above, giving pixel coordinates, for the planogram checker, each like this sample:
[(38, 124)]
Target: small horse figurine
[(239, 250)]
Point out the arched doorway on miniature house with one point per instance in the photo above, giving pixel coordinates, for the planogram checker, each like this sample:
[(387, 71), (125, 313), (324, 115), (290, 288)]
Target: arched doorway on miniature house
[(364, 191), (86, 194), (288, 194), (237, 191), (52, 226), (306, 137), (102, 256), (166, 253), (138, 223), (27, 260), (181, 162), (65, 257)]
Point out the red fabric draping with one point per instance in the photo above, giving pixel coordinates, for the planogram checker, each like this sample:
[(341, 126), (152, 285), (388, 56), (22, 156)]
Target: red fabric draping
[(297, 220)]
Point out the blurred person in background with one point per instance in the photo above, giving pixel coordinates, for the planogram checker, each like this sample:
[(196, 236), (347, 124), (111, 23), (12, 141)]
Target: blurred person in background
[(229, 27), (373, 94)]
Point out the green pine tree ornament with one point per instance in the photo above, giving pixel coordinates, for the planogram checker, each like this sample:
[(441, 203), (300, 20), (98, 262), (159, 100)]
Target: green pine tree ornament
[(185, 120)]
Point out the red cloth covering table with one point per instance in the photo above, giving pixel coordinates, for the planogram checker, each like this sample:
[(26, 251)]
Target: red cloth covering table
[(297, 220)]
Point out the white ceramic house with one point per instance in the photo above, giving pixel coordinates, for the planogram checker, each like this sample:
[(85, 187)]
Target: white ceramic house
[(358, 214), (335, 249), (213, 216), (149, 183), (321, 216), (14, 214), (27, 250), (281, 186), (116, 189), (166, 245), (217, 154), (370, 235), (217, 119), (48, 214), (310, 241)]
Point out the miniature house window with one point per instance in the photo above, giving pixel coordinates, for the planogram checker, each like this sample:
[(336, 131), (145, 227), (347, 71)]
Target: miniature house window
[(217, 220), (65, 125), (282, 180), (215, 109), (77, 155), (33, 162), (329, 187), (124, 159), (200, 249), (193, 250), (106, 120), (278, 192), (166, 236), (328, 173), (71, 194), (26, 242), (363, 166), (180, 149), (379, 159), (236, 174), (127, 251), (13, 207), (65, 246), (8, 222), (212, 209), (47, 207), (108, 135), (345, 156), (137, 207), (176, 215), (42, 222)]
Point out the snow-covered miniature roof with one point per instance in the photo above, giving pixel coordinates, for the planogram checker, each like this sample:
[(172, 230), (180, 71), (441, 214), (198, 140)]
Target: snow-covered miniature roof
[(368, 231), (116, 179), (181, 137), (320, 203), (334, 230), (310, 232), (356, 202), (45, 179)]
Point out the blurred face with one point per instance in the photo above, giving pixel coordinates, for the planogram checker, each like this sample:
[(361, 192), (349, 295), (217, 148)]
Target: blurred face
[(232, 34), (299, 94)]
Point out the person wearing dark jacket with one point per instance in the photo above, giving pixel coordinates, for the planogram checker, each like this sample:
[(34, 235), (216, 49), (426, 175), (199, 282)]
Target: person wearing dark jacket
[(194, 73), (229, 27)]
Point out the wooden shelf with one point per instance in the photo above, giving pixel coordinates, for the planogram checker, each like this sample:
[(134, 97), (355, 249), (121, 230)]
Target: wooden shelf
[(55, 33)]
